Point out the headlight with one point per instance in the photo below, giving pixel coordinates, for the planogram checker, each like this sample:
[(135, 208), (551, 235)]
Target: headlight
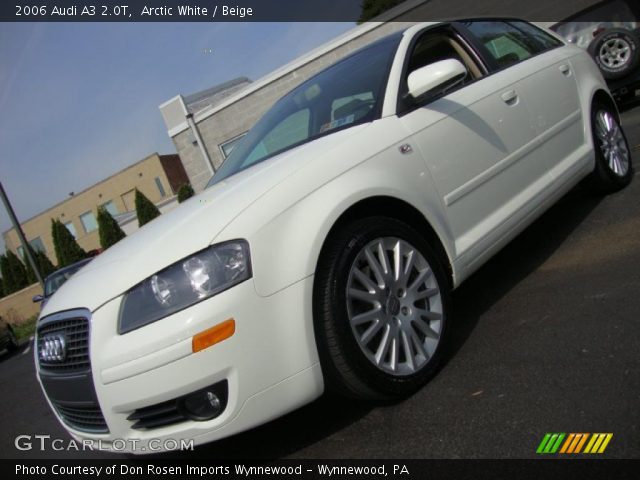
[(185, 283)]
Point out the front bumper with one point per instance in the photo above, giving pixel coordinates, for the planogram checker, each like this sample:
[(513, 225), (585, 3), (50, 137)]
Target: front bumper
[(270, 364)]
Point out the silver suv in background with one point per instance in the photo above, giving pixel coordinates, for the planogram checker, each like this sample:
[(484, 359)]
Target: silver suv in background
[(610, 32)]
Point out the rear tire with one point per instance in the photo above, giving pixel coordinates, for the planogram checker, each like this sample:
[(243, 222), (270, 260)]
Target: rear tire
[(613, 168), (381, 310)]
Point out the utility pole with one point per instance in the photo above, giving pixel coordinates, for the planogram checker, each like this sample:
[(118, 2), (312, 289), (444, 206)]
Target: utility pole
[(23, 240)]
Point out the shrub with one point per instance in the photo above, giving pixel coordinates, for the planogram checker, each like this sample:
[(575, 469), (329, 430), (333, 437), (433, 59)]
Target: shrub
[(184, 192), (145, 209), (14, 273), (67, 249), (108, 229)]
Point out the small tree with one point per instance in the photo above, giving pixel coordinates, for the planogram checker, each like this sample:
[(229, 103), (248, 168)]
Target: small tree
[(108, 229), (145, 209), (373, 8), (2, 294), (14, 273), (185, 191), (67, 249), (44, 264)]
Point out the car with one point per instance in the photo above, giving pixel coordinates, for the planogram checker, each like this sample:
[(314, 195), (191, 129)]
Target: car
[(323, 252), (55, 280), (8, 340), (610, 32)]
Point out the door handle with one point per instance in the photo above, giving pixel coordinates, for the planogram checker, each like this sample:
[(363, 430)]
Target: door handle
[(510, 97), (565, 69)]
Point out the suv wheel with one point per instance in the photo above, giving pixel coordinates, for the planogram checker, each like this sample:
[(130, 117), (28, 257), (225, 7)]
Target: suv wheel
[(615, 52)]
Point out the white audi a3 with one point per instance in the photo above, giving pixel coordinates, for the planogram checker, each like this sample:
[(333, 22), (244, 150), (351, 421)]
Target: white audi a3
[(323, 252)]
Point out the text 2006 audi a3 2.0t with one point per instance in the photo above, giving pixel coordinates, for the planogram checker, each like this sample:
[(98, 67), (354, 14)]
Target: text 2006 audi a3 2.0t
[(324, 250)]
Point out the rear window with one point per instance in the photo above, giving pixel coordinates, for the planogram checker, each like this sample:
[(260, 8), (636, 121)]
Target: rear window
[(511, 42)]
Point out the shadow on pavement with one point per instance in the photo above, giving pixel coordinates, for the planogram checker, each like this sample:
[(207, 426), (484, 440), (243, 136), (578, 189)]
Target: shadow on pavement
[(286, 435), (518, 259), (5, 355)]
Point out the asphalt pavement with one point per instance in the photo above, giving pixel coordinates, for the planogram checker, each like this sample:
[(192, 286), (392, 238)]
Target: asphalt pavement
[(547, 339)]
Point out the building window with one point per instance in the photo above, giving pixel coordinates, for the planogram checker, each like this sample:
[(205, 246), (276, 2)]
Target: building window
[(88, 220), (110, 207), (160, 187), (228, 146), (72, 229), (36, 245)]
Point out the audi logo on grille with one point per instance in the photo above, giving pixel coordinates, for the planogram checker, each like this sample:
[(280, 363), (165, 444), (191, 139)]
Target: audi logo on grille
[(53, 348)]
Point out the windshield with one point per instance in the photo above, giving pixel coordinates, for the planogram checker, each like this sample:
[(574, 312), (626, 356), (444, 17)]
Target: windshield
[(344, 95), (54, 281)]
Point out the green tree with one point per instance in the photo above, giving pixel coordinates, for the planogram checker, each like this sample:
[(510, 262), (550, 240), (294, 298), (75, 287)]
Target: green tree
[(2, 294), (373, 8), (145, 209), (45, 267), (108, 229), (67, 249), (44, 264), (14, 273), (185, 191)]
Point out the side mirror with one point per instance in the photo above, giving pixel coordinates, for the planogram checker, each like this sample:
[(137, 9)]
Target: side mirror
[(435, 77), (37, 298)]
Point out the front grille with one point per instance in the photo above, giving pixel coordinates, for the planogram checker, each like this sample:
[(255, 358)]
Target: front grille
[(76, 333), (84, 418), (159, 415)]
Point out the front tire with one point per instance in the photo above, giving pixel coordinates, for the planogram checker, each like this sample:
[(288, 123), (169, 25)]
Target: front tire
[(613, 169), (381, 310)]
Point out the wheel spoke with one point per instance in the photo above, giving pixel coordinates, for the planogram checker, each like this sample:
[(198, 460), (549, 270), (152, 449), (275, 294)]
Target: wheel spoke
[(426, 293), (371, 332), (366, 317), (366, 282), (363, 295), (384, 261), (397, 261), (376, 268), (426, 330), (419, 346), (383, 347), (408, 353), (420, 279)]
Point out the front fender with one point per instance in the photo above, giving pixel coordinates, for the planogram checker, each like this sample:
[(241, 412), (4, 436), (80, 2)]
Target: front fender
[(289, 225)]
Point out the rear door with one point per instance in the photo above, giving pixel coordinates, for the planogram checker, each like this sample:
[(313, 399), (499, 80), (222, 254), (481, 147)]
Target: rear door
[(548, 86)]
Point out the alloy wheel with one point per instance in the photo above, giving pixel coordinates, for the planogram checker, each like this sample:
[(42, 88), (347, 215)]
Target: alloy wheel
[(613, 145), (394, 306)]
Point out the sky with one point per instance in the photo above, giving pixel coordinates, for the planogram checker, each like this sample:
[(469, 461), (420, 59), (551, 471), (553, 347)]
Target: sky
[(78, 102)]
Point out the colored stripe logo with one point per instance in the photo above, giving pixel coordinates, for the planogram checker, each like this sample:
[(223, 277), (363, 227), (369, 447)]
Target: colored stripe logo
[(574, 443)]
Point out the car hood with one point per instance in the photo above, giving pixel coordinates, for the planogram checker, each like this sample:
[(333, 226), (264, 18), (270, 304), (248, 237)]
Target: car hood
[(184, 230)]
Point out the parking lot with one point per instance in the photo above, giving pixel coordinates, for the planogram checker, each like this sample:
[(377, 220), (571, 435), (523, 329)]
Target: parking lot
[(547, 338)]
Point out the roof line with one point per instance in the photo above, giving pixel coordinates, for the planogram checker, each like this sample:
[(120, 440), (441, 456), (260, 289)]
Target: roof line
[(88, 188)]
